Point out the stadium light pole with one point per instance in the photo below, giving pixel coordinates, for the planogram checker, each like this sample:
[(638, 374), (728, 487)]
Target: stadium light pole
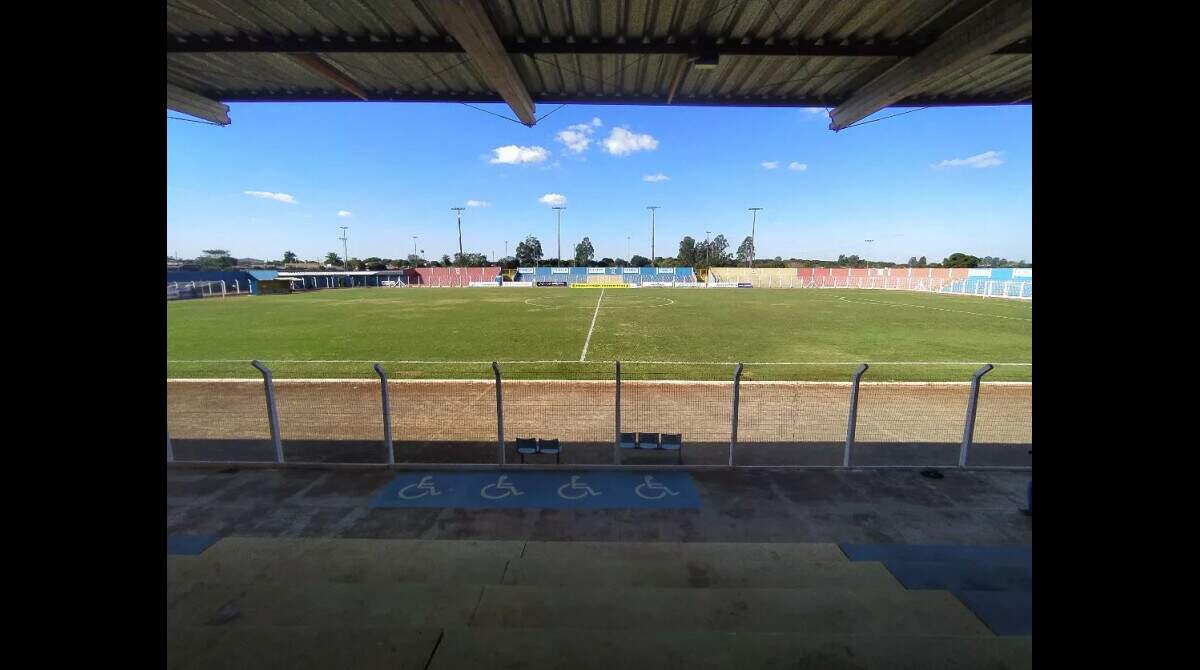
[(753, 221), (459, 211), (867, 260), (558, 260), (652, 208), (345, 253)]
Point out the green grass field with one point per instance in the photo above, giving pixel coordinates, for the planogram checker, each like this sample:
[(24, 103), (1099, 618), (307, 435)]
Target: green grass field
[(780, 334)]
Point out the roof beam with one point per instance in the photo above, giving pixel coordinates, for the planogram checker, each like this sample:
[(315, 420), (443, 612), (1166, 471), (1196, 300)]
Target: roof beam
[(194, 104), (322, 68), (468, 22), (998, 24), (345, 44), (709, 101)]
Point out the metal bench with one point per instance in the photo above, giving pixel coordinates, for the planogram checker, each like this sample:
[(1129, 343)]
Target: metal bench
[(531, 446)]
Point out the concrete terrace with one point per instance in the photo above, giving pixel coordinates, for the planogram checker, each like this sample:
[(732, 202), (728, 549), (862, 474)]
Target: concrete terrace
[(833, 568)]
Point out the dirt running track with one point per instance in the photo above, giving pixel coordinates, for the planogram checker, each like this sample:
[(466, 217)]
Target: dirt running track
[(774, 415)]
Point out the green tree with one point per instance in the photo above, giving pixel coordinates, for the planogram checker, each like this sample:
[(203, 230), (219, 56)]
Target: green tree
[(912, 261), (529, 251), (717, 253), (639, 261), (921, 262), (960, 260), (332, 258), (584, 252), (289, 257), (745, 250), (687, 251)]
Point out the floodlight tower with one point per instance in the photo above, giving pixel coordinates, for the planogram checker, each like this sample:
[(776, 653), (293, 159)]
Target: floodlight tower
[(753, 221), (459, 211), (558, 259), (652, 208), (345, 253)]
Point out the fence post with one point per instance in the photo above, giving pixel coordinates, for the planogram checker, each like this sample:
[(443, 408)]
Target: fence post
[(387, 414), (499, 417), (617, 428), (737, 384), (852, 420), (170, 451), (972, 402), (272, 413)]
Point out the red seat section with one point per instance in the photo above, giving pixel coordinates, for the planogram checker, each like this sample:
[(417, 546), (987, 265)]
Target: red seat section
[(454, 276)]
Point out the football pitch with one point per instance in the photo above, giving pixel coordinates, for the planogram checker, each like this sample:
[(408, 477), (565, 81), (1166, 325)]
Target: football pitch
[(687, 334)]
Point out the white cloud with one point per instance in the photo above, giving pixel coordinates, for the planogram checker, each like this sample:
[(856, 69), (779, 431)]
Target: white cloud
[(281, 197), (656, 177), (770, 165), (344, 214), (513, 155), (478, 203), (816, 111), (798, 167), (577, 142), (621, 142), (578, 137), (984, 160), (553, 199)]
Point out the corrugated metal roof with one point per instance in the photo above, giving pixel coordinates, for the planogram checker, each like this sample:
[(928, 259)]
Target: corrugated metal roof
[(786, 52)]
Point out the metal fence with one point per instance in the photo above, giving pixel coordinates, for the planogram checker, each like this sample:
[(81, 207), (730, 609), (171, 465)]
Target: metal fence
[(606, 415)]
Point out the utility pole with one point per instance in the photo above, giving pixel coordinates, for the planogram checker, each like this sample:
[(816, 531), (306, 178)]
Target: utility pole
[(627, 238), (652, 208), (459, 211), (345, 253), (558, 261), (506, 248), (414, 245), (753, 220), (707, 249)]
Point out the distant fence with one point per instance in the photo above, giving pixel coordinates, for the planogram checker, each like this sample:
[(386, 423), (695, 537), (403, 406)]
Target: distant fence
[(476, 422)]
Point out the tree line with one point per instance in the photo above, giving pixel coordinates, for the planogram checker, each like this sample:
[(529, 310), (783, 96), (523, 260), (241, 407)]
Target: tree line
[(699, 254)]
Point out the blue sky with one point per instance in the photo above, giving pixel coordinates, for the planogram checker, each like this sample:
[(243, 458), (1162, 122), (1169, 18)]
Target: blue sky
[(927, 183)]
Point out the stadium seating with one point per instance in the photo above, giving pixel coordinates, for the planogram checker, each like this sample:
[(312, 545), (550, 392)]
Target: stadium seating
[(584, 275), (453, 276)]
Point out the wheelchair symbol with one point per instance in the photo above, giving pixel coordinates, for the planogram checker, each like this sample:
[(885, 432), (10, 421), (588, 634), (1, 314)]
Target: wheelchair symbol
[(574, 485), (426, 487), (650, 484), (501, 484)]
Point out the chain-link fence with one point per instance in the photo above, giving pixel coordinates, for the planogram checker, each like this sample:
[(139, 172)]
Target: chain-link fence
[(602, 414)]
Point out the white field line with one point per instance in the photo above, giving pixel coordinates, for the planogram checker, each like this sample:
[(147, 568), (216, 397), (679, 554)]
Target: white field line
[(327, 362), (583, 356), (646, 382), (866, 301)]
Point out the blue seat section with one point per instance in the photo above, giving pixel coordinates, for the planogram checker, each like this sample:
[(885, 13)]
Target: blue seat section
[(963, 575), (190, 545), (936, 553), (995, 583), (1005, 612)]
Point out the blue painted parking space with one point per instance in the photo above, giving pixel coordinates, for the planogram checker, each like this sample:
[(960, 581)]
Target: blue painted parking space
[(562, 490)]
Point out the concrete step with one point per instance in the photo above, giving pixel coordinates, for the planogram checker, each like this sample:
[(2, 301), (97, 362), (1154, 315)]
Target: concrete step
[(652, 650), (686, 551), (815, 610), (317, 603), (251, 560), (938, 553), (716, 572), (300, 647)]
